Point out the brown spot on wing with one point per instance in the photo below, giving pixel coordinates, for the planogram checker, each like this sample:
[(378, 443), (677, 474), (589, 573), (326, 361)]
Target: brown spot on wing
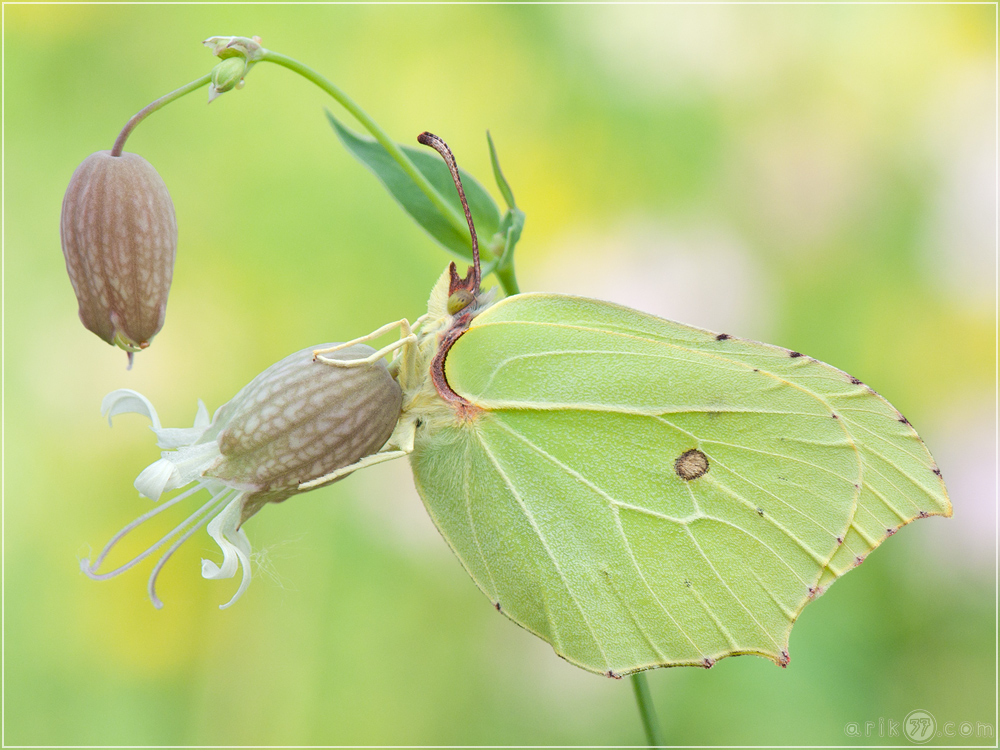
[(691, 464)]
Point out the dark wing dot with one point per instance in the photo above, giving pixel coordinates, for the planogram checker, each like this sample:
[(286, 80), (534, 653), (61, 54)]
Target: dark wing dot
[(793, 355), (691, 464), (723, 337)]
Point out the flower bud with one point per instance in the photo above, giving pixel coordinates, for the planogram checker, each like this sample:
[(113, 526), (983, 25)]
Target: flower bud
[(119, 238), (298, 421), (238, 54), (226, 76)]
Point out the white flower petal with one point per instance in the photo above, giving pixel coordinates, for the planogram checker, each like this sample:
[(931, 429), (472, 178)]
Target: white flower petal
[(123, 401), (155, 479), (201, 419), (176, 437), (225, 529), (191, 461)]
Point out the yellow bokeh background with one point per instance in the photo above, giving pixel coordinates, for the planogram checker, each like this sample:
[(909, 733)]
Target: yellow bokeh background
[(820, 177)]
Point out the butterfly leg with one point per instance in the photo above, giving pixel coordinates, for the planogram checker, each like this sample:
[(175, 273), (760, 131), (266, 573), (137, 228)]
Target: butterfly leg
[(399, 444), (407, 337), (333, 476)]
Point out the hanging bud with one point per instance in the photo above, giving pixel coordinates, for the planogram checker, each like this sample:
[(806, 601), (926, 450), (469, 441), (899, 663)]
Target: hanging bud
[(226, 76), (119, 237), (238, 54), (298, 421)]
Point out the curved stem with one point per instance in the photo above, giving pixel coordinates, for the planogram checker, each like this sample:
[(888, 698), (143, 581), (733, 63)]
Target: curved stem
[(372, 127), (149, 109), (646, 710)]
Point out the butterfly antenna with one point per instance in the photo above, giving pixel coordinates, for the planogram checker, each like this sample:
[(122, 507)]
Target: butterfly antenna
[(472, 279)]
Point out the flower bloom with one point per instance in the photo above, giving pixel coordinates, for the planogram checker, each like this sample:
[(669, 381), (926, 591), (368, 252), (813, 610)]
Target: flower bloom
[(298, 421), (119, 238)]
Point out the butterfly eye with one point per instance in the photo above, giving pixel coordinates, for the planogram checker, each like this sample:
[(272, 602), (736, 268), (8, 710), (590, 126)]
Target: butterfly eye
[(459, 300)]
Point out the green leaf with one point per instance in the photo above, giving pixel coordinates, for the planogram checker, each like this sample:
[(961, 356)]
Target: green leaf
[(505, 190), (485, 213)]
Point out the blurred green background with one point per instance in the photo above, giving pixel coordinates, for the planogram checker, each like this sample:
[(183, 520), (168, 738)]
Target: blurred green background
[(819, 177)]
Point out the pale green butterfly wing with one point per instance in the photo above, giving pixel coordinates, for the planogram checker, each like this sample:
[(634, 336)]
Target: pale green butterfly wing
[(564, 499), (901, 481)]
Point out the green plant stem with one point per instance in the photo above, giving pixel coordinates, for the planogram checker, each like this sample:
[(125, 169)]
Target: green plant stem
[(149, 109), (508, 280), (372, 127), (646, 710)]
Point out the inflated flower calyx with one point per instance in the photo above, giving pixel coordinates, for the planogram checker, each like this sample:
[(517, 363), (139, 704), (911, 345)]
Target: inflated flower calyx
[(119, 238), (300, 420), (297, 422)]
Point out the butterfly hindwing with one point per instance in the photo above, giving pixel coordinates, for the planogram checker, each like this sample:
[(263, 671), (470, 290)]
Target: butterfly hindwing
[(642, 493)]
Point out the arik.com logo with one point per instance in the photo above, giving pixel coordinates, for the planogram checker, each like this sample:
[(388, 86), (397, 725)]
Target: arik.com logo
[(920, 726)]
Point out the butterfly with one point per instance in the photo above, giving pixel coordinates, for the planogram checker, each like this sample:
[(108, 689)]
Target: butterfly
[(638, 492)]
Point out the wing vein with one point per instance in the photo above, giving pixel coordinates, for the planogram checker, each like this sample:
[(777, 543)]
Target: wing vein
[(545, 546), (732, 593), (613, 504)]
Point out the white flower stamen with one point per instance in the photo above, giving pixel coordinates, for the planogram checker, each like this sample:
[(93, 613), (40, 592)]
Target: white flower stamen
[(217, 501), (91, 569)]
